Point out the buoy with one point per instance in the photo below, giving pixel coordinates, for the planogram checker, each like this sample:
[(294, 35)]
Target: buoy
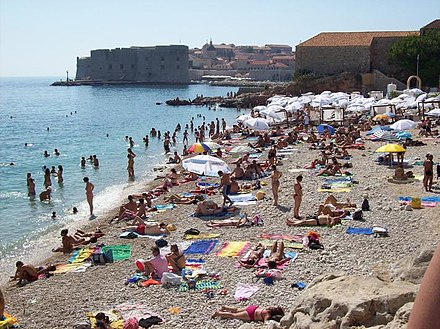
[(140, 265)]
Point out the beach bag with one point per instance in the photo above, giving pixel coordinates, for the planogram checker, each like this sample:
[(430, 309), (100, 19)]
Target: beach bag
[(170, 279), (260, 195), (357, 214), (161, 243), (108, 256), (192, 231), (98, 258), (131, 323), (416, 203), (148, 322), (365, 205)]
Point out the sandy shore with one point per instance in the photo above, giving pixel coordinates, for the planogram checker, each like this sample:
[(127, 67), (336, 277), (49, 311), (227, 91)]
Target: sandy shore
[(63, 300)]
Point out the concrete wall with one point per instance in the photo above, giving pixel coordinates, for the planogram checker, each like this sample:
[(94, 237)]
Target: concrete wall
[(379, 55), (332, 60), (160, 64), (378, 81), (272, 74)]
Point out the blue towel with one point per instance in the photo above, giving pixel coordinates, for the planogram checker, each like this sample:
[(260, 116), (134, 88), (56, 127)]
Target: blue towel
[(205, 184), (165, 206), (201, 247), (359, 230), (425, 198)]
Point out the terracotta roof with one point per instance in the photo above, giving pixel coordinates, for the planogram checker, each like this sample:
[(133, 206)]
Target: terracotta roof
[(259, 62), (341, 39), (280, 65), (435, 24), (280, 58)]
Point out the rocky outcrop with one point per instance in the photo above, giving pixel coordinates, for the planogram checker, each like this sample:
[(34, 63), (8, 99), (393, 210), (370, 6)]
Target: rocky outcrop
[(337, 301), (349, 301)]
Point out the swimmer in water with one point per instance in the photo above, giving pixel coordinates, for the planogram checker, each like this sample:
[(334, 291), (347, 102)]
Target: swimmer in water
[(83, 162), (95, 161), (56, 152), (54, 215), (60, 174), (46, 154)]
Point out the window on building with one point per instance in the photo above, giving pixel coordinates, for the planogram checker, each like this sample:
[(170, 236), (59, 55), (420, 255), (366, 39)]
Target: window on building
[(121, 66), (162, 67), (110, 66)]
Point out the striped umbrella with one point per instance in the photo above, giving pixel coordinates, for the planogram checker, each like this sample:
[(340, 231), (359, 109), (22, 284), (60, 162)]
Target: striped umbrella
[(199, 148)]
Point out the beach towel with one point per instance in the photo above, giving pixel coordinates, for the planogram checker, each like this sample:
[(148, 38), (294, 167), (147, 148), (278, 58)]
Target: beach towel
[(287, 244), (359, 230), (71, 268), (201, 247), (285, 237), (222, 215), (245, 291), (119, 252), (335, 190), (233, 248), (201, 236), (243, 199), (8, 322), (294, 170), (135, 310), (116, 320), (164, 207), (427, 201), (205, 185), (194, 264), (201, 285), (80, 255)]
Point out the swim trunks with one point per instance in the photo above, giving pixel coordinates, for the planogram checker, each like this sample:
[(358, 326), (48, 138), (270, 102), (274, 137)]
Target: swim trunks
[(226, 189), (140, 229)]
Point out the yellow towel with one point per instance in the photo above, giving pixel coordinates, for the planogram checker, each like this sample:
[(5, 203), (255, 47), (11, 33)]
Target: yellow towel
[(335, 190), (8, 321), (201, 236), (116, 320), (84, 253), (233, 248)]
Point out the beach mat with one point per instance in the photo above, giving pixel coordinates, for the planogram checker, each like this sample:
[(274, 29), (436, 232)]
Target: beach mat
[(201, 247), (119, 252), (243, 199), (207, 284), (116, 320), (245, 291), (287, 244), (222, 215), (164, 207), (201, 236), (233, 248), (135, 310), (80, 255), (335, 190), (71, 268), (424, 198), (154, 237), (285, 237), (359, 230)]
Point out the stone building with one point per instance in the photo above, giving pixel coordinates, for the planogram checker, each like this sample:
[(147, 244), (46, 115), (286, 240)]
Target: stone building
[(359, 52), (157, 64)]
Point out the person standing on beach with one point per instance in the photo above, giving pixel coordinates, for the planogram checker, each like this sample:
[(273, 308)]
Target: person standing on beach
[(428, 172), (225, 186), (276, 175), (47, 180), (297, 196), (89, 194), (131, 155), (223, 124)]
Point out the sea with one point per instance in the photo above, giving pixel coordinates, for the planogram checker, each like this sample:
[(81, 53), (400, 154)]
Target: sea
[(80, 121)]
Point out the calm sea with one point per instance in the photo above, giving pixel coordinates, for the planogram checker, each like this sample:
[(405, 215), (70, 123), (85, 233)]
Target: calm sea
[(79, 119)]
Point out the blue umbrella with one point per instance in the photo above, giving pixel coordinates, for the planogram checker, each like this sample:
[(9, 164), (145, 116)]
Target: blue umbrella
[(322, 127), (376, 128)]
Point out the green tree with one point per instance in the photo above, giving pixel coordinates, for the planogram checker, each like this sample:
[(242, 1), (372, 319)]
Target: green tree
[(404, 53)]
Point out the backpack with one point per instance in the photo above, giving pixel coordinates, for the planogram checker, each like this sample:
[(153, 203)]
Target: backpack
[(365, 205), (98, 258), (357, 214)]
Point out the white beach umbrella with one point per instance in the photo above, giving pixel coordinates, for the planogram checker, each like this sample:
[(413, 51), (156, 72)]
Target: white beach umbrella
[(205, 165), (243, 117), (403, 125), (260, 108), (356, 108), (242, 149), (257, 124), (294, 107), (212, 145), (434, 113), (272, 113)]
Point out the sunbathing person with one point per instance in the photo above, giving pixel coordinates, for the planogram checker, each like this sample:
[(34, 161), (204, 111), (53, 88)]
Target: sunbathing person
[(146, 228), (331, 170), (276, 255), (175, 198), (332, 200), (254, 257), (68, 242), (235, 187), (176, 259), (250, 313), (243, 221), (26, 273), (128, 210), (208, 207), (321, 220), (399, 173), (79, 234), (238, 172), (157, 265)]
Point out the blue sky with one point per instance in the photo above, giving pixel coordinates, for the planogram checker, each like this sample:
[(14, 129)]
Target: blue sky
[(44, 37)]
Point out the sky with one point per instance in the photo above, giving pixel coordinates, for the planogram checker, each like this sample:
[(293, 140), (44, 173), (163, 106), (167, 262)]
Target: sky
[(44, 37)]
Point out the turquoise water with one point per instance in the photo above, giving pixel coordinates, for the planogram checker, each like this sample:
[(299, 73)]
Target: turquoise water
[(79, 119)]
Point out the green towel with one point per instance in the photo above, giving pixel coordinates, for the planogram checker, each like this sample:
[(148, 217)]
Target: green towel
[(120, 252)]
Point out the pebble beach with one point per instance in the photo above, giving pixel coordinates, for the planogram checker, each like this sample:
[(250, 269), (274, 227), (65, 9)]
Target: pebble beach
[(63, 299)]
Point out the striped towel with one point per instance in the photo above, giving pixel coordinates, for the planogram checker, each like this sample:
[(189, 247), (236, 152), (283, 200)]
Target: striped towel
[(79, 256), (233, 248)]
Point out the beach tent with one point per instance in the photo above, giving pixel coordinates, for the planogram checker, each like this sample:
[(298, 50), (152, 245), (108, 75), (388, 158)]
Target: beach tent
[(403, 125), (205, 165), (199, 148), (257, 124), (322, 127)]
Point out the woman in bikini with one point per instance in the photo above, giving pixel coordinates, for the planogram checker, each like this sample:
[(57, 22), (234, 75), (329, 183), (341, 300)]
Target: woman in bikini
[(176, 259), (47, 180), (297, 197), (89, 194), (328, 215), (256, 254), (276, 175), (250, 313)]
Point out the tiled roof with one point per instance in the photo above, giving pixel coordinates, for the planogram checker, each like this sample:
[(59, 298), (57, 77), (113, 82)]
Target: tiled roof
[(341, 39), (286, 58), (259, 62)]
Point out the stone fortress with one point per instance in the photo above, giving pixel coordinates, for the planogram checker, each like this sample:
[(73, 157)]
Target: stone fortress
[(154, 65)]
